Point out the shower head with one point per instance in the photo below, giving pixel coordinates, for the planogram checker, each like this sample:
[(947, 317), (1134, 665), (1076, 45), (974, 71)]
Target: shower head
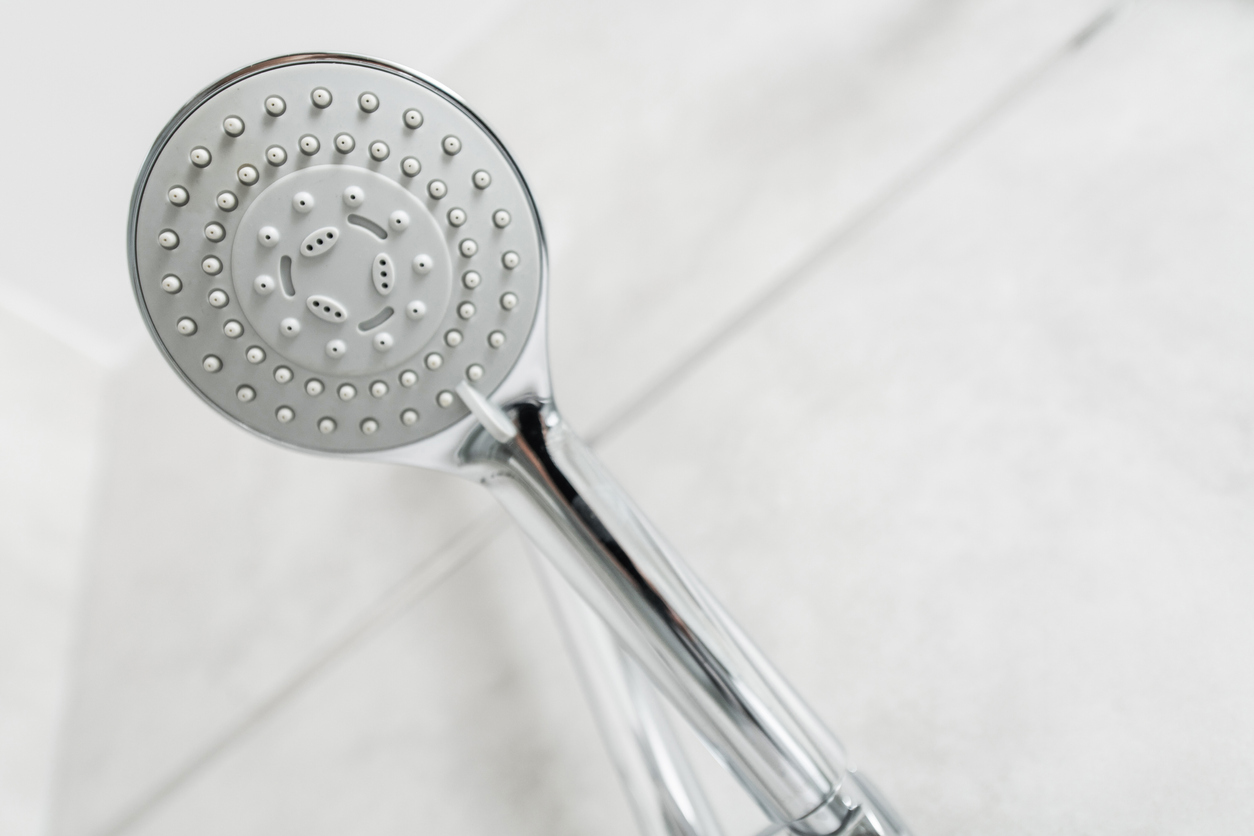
[(337, 254), (325, 246)]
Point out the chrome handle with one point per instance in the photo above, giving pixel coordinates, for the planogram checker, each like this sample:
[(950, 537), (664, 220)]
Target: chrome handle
[(659, 784), (577, 516)]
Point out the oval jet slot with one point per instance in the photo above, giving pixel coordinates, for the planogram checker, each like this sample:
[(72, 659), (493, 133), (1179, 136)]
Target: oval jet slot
[(369, 226), (326, 308), (319, 241), (376, 320), (384, 273), (285, 276)]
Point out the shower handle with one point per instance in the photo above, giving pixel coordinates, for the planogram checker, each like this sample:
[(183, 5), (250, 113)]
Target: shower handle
[(660, 785), (580, 519)]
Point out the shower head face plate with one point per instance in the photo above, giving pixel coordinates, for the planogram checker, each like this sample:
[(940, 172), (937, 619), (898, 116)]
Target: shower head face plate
[(325, 248)]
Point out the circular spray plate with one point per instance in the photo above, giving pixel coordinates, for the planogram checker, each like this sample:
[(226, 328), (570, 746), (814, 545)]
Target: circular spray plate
[(341, 266), (326, 250)]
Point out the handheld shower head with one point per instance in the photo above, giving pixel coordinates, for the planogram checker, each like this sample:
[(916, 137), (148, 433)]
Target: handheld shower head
[(337, 254), (326, 246)]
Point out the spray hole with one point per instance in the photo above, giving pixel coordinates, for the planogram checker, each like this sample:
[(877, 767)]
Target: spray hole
[(368, 225), (376, 320), (285, 276)]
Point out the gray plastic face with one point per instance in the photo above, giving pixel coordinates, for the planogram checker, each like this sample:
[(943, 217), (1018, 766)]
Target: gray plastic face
[(296, 268)]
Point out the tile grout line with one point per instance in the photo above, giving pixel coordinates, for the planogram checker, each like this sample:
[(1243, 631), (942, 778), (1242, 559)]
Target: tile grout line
[(469, 544), (420, 581), (898, 189)]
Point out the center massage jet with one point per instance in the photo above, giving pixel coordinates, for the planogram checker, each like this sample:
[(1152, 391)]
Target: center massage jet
[(335, 253)]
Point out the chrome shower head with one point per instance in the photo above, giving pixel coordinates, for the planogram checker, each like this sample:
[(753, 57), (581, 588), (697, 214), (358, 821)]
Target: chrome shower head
[(336, 253), (325, 246)]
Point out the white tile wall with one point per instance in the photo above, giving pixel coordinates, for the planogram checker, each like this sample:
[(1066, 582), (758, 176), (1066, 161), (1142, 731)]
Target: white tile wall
[(221, 568), (987, 457), (992, 468), (462, 717), (687, 155), (50, 431)]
